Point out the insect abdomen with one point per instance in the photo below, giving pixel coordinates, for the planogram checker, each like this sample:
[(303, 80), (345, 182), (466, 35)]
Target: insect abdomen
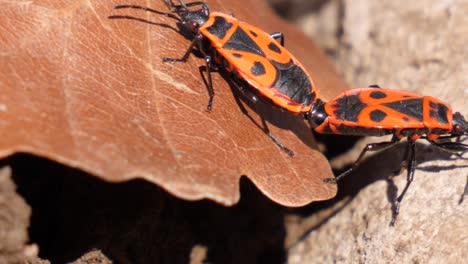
[(375, 111)]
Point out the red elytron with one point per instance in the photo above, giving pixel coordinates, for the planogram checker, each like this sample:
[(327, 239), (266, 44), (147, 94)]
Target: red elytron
[(373, 111), (258, 64)]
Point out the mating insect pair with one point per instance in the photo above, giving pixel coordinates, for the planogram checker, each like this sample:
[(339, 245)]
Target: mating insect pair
[(261, 67)]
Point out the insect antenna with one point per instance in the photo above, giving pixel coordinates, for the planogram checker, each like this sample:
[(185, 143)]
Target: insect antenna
[(182, 3), (176, 8), (183, 7), (149, 10)]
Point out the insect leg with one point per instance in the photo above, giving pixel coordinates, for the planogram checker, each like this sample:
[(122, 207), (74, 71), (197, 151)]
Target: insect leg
[(265, 127), (277, 142), (404, 162), (254, 99), (374, 86), (245, 92), (411, 161), (278, 35), (452, 147), (196, 40), (445, 137), (369, 147), (209, 65)]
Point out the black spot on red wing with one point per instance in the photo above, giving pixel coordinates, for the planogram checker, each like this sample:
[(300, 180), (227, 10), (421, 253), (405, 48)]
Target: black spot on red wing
[(273, 47), (237, 55), (292, 81), (378, 95), (377, 115), (443, 110), (349, 107), (258, 69), (219, 27), (242, 42), (406, 119), (410, 107), (309, 98), (439, 111), (253, 33)]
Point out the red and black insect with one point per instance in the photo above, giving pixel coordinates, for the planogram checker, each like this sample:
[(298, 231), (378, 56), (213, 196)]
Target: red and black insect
[(374, 111), (251, 54), (258, 64)]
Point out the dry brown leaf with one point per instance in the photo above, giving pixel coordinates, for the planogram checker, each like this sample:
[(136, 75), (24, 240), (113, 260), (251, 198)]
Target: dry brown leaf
[(91, 92)]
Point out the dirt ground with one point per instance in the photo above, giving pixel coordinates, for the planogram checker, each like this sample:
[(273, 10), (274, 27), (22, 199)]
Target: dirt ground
[(55, 214)]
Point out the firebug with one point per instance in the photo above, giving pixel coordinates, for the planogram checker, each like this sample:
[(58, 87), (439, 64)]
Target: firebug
[(258, 63), (373, 111)]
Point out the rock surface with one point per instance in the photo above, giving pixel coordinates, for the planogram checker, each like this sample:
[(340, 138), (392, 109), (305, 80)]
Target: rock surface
[(417, 46), (14, 221)]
